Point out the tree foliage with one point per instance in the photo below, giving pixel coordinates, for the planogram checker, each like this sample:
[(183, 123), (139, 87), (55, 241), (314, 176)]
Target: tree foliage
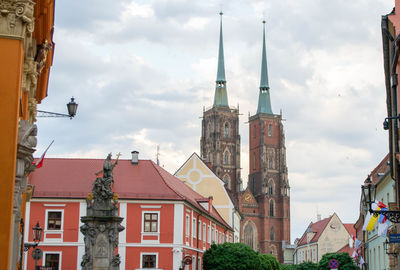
[(344, 260), (237, 256), (307, 266)]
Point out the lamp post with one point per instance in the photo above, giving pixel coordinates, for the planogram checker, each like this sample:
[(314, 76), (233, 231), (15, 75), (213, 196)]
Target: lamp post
[(72, 107), (37, 253), (387, 248), (369, 193)]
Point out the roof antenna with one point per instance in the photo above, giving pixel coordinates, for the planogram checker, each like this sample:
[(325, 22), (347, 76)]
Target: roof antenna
[(158, 155)]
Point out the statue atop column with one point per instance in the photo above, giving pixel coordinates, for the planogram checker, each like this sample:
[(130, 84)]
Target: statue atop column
[(101, 223)]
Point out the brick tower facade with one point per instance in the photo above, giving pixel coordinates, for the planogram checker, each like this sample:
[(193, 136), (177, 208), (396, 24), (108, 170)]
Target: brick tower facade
[(220, 139), (265, 204)]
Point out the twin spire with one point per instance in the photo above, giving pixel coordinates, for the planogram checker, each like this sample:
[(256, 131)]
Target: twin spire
[(221, 96)]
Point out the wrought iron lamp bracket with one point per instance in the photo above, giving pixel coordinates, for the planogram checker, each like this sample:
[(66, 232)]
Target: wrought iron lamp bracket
[(392, 216)]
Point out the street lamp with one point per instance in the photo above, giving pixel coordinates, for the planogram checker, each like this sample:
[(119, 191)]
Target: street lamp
[(386, 246), (37, 235), (386, 122), (369, 193), (72, 107)]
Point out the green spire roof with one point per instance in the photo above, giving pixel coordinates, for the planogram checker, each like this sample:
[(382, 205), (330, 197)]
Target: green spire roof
[(221, 97), (264, 101)]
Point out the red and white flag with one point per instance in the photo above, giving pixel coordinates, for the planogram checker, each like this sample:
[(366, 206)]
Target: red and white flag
[(39, 163), (361, 262)]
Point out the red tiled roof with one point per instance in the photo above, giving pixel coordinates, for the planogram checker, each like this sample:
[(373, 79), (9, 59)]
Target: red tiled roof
[(382, 167), (317, 228), (346, 249), (350, 228), (73, 178)]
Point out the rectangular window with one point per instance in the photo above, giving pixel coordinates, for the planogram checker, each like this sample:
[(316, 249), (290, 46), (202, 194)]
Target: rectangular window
[(150, 222), (204, 232), (209, 234), (212, 234), (149, 261), (54, 220), (194, 263), (52, 260), (194, 228), (187, 225), (199, 263), (199, 226)]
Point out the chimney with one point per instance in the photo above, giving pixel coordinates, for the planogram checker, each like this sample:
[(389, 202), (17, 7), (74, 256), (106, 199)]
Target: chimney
[(135, 157), (210, 199)]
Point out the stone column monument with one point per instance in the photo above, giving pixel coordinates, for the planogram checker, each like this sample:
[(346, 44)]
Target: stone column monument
[(102, 224)]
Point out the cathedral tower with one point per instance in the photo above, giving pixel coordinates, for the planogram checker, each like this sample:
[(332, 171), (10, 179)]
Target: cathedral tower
[(220, 139), (266, 202)]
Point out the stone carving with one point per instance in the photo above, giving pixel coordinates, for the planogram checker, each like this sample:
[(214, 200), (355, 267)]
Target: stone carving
[(102, 225), (27, 141), (16, 18), (41, 56)]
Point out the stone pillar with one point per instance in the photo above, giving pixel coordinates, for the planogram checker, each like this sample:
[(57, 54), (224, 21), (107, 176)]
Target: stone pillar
[(26, 142), (16, 45), (101, 225)]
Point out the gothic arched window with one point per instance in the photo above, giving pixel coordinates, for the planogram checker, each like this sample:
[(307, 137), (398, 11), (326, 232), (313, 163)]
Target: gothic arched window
[(226, 158), (273, 250), (250, 235), (270, 187), (271, 208), (270, 130), (271, 234), (226, 130)]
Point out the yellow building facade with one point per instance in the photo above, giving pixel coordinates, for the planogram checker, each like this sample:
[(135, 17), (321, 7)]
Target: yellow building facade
[(196, 174), (26, 52)]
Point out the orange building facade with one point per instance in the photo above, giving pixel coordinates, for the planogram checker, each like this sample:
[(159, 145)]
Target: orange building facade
[(164, 219), (26, 52)]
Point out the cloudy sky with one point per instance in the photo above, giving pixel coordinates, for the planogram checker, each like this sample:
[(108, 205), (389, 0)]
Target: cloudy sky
[(142, 71)]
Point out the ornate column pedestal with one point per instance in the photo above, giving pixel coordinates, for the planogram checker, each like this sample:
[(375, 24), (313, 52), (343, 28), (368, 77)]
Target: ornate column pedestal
[(102, 224)]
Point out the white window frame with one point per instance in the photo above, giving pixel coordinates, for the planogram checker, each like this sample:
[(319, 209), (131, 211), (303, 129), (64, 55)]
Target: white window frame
[(200, 228), (46, 231), (204, 232), (52, 252), (193, 262), (209, 234), (148, 253), (194, 224), (143, 233), (187, 225)]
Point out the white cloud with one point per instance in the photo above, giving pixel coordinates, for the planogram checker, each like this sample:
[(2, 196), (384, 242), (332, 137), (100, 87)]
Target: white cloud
[(142, 71)]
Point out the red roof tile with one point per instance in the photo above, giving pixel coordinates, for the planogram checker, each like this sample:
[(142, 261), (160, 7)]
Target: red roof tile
[(317, 228), (350, 228), (73, 178), (346, 249)]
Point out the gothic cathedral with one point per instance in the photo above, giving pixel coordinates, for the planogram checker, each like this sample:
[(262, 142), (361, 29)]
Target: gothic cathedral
[(265, 204)]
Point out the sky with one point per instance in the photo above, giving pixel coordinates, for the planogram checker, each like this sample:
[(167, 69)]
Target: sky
[(142, 72)]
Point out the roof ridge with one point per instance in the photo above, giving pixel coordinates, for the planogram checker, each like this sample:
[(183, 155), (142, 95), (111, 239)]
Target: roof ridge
[(176, 192)]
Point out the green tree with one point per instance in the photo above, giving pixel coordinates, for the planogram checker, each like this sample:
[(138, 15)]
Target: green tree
[(288, 267), (235, 256), (307, 266), (344, 260), (268, 260)]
